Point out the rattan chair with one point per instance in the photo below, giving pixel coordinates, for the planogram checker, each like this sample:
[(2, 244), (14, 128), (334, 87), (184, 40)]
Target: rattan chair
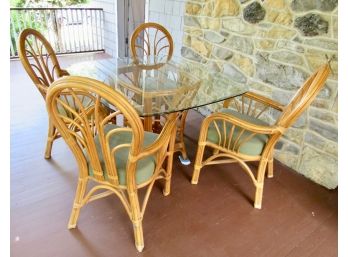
[(239, 135), (152, 40), (40, 62), (154, 44), (119, 160)]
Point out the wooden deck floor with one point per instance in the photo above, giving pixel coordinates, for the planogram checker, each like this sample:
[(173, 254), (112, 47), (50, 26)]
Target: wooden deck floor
[(214, 218)]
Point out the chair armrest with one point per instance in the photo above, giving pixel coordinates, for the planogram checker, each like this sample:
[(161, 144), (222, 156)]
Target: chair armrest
[(268, 130), (265, 100), (261, 99)]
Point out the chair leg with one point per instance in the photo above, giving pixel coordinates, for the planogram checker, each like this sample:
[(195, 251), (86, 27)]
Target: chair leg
[(138, 235), (183, 149), (258, 196), (137, 221), (181, 131), (80, 192), (270, 168), (166, 190), (198, 164), (50, 139), (260, 183)]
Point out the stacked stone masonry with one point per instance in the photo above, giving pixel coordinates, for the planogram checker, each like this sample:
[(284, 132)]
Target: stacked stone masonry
[(273, 46)]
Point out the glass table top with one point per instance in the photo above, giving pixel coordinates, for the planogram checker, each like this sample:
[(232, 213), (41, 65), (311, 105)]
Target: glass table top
[(156, 86)]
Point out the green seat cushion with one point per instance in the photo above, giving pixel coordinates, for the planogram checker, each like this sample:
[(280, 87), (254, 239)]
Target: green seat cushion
[(253, 146), (145, 167)]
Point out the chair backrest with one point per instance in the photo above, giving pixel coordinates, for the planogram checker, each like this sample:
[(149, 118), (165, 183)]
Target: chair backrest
[(76, 105), (152, 39), (38, 58), (304, 96)]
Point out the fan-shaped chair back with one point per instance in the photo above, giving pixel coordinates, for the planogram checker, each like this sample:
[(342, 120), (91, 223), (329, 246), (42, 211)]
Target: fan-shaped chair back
[(39, 59), (76, 106), (304, 96), (152, 40)]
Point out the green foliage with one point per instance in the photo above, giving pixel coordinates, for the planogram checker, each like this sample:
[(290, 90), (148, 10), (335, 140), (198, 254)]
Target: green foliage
[(17, 3), (34, 18), (22, 20), (63, 3), (73, 2), (46, 3)]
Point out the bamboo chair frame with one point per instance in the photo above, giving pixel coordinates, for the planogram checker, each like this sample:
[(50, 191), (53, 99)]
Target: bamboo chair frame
[(90, 120), (149, 48), (227, 149), (41, 64)]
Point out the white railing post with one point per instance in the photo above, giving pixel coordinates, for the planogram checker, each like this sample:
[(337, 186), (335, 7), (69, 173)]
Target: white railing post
[(69, 30)]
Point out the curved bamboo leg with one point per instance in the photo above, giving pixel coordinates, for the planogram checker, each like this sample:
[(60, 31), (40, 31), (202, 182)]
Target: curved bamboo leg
[(50, 139), (138, 235), (260, 182), (166, 190), (198, 164), (80, 192), (180, 145), (270, 168), (137, 221), (180, 131), (183, 150)]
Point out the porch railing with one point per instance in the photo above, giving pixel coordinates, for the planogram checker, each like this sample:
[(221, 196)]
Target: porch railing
[(69, 30)]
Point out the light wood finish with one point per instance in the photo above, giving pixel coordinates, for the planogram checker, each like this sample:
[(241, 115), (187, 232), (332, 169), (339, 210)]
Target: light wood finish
[(143, 34), (90, 119), (42, 193), (227, 149), (41, 64), (151, 39)]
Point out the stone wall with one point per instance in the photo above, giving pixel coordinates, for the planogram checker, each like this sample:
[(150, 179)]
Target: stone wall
[(273, 46)]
